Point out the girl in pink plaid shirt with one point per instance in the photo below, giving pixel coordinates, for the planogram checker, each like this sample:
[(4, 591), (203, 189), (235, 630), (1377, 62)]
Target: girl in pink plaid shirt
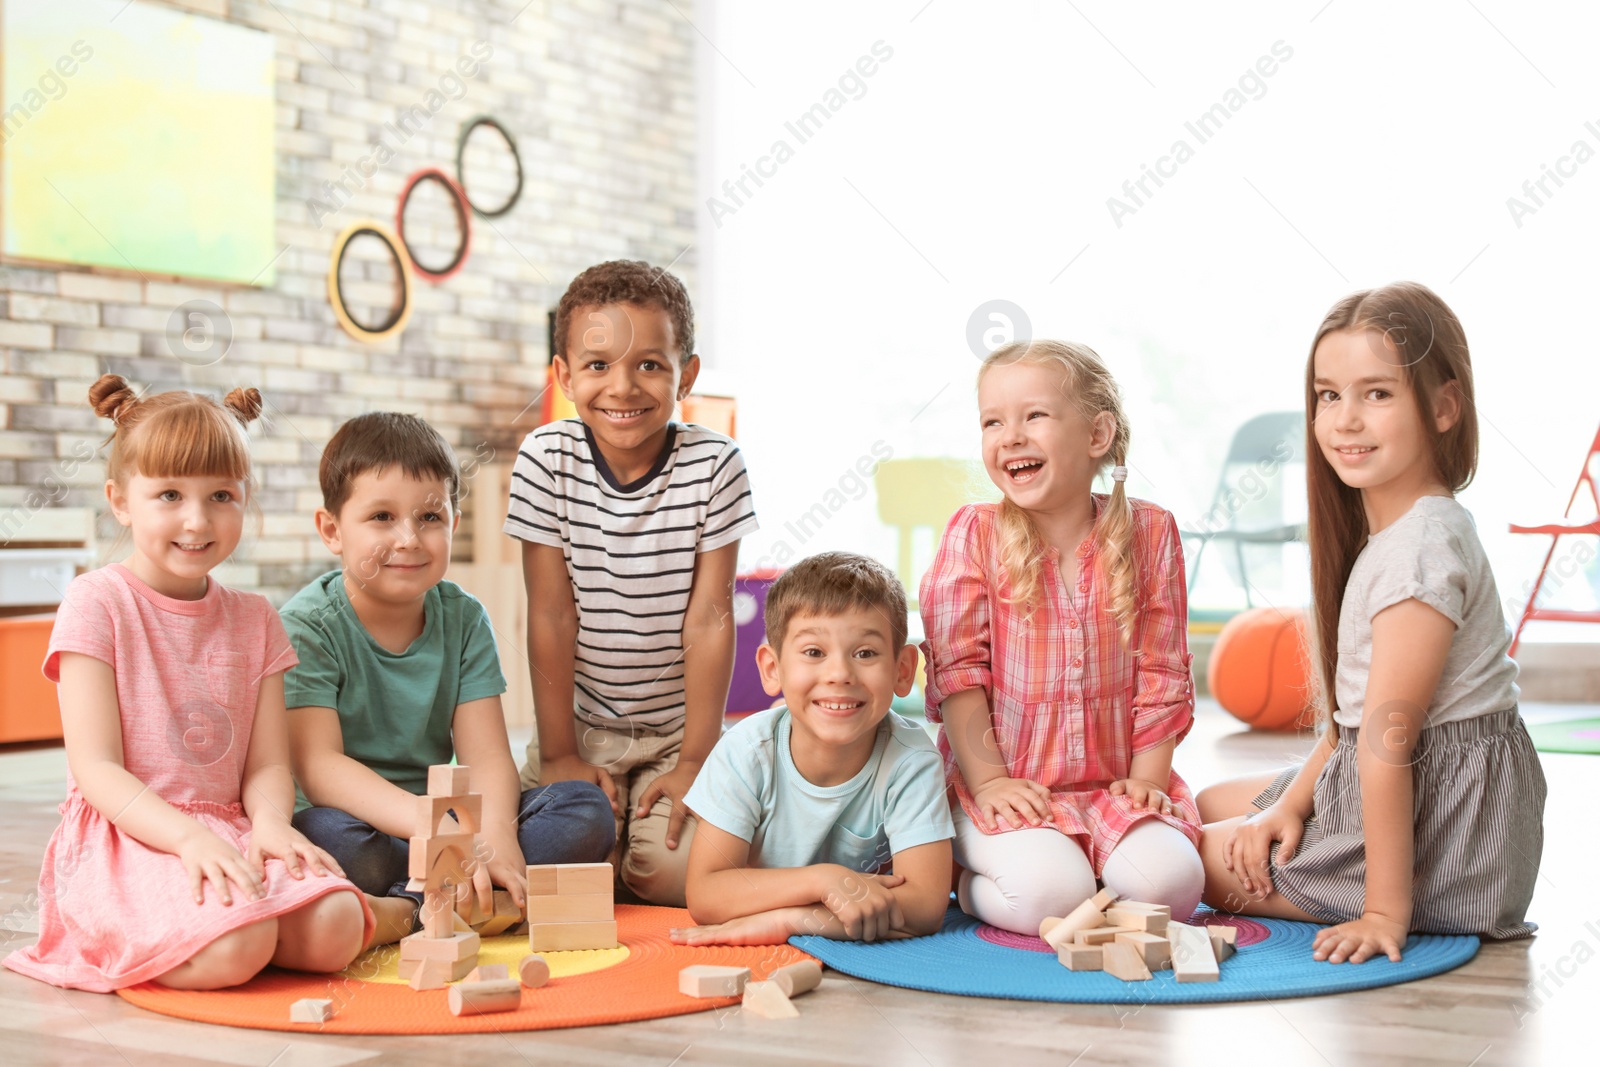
[(1058, 657)]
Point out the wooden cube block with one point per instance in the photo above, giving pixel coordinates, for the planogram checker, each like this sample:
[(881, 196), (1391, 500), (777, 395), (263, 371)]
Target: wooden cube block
[(533, 971), (1085, 916), (489, 972), (506, 915), (542, 880), (1077, 957), (450, 949), (1151, 922), (766, 1001), (458, 969), (705, 980), (1123, 961), (430, 974), (311, 1010), (445, 780), (1222, 941), (433, 815), (585, 878), (1100, 935), (572, 908), (480, 998), (797, 978), (567, 937), (1154, 949), (1193, 959)]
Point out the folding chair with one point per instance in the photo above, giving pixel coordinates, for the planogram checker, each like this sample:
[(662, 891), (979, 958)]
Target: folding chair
[(1564, 527)]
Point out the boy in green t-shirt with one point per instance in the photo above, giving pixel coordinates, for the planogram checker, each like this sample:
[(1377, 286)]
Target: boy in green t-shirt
[(398, 671)]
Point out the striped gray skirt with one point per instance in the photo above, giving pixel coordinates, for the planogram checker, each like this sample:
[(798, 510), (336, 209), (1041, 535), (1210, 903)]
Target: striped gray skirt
[(1479, 831)]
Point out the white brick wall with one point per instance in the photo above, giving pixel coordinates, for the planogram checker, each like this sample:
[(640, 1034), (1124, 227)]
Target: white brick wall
[(599, 96)]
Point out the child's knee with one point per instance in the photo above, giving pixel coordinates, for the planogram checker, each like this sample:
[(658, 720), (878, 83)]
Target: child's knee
[(652, 870), (1018, 900), (232, 959), (328, 932), (571, 822)]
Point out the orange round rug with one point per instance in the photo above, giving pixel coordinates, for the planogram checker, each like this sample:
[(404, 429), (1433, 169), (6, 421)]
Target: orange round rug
[(643, 984)]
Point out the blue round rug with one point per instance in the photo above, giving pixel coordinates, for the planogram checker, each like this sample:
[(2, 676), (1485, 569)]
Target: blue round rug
[(1274, 961)]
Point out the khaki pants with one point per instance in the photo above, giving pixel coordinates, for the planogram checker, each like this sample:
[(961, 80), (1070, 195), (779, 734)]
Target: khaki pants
[(634, 759)]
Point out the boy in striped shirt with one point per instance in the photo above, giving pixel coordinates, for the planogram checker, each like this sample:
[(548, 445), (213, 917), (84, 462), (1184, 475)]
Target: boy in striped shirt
[(630, 524)]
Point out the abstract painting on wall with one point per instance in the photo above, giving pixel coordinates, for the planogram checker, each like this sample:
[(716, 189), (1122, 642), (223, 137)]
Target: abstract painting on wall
[(136, 137)]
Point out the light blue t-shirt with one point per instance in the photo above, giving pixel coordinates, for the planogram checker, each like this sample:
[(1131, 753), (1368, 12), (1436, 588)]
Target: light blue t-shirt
[(750, 787)]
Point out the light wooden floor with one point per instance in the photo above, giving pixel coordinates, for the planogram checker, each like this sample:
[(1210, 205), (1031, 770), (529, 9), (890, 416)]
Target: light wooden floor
[(1519, 1003)]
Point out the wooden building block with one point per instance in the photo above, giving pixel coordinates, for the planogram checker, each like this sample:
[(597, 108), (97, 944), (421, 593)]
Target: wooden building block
[(705, 980), (445, 780), (766, 1001), (450, 949), (1192, 957), (311, 1010), (1085, 916), (1223, 939), (481, 998), (506, 915), (1154, 949), (1100, 935), (566, 937), (797, 978), (426, 852), (1139, 905), (1123, 961), (434, 815), (542, 880), (458, 970), (430, 974), (533, 971), (489, 972), (572, 908), (585, 878), (1081, 957), (1151, 922)]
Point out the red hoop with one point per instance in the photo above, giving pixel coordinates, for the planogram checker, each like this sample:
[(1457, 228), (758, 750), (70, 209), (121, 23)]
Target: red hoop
[(463, 220)]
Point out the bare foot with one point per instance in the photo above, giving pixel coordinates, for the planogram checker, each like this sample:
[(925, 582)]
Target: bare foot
[(397, 917)]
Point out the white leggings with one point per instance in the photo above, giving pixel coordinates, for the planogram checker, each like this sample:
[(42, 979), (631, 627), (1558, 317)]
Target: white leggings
[(1013, 880)]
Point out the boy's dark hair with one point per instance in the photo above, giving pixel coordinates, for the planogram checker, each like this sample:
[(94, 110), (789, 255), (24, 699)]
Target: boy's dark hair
[(628, 281), (831, 583), (381, 439)]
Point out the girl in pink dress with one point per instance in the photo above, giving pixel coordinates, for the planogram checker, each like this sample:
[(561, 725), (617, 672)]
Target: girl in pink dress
[(175, 861), (1058, 658)]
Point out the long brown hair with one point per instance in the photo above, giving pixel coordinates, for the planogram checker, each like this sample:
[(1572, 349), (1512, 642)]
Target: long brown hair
[(1432, 348), (1089, 385)]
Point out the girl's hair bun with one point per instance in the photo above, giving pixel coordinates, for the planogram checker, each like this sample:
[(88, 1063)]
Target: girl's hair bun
[(245, 403), (112, 397)]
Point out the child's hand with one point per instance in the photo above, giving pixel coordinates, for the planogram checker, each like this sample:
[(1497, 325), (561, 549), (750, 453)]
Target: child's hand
[(863, 903), (478, 886), (1360, 940), (276, 839), (1019, 801), (1249, 846), (574, 769), (1143, 794), (208, 857), (763, 928), (672, 785), (501, 854)]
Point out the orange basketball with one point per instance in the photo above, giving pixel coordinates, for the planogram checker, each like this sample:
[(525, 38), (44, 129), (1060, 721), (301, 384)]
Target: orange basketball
[(1260, 669)]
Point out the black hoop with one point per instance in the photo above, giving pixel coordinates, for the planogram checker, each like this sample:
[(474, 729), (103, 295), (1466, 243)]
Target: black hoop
[(461, 176), (458, 199)]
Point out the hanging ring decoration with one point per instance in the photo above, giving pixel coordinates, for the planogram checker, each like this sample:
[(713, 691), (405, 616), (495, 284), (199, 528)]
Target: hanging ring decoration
[(458, 199), (398, 314), (461, 152)]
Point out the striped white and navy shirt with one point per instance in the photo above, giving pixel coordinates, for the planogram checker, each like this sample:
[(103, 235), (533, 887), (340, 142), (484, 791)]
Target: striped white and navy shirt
[(630, 552)]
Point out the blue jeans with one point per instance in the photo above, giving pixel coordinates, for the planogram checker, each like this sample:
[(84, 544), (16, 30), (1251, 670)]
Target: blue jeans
[(563, 822)]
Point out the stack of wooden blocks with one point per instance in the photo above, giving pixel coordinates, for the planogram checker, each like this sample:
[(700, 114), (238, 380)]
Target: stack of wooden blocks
[(1130, 940), (441, 859), (571, 906)]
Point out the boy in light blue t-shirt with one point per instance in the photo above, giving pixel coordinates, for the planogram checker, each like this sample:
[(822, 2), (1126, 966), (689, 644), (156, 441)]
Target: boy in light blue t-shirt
[(828, 815)]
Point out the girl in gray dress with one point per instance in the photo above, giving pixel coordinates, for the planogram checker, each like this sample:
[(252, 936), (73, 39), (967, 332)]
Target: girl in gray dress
[(1421, 808)]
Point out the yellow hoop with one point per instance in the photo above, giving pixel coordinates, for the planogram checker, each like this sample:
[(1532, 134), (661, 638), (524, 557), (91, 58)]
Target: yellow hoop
[(399, 316)]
